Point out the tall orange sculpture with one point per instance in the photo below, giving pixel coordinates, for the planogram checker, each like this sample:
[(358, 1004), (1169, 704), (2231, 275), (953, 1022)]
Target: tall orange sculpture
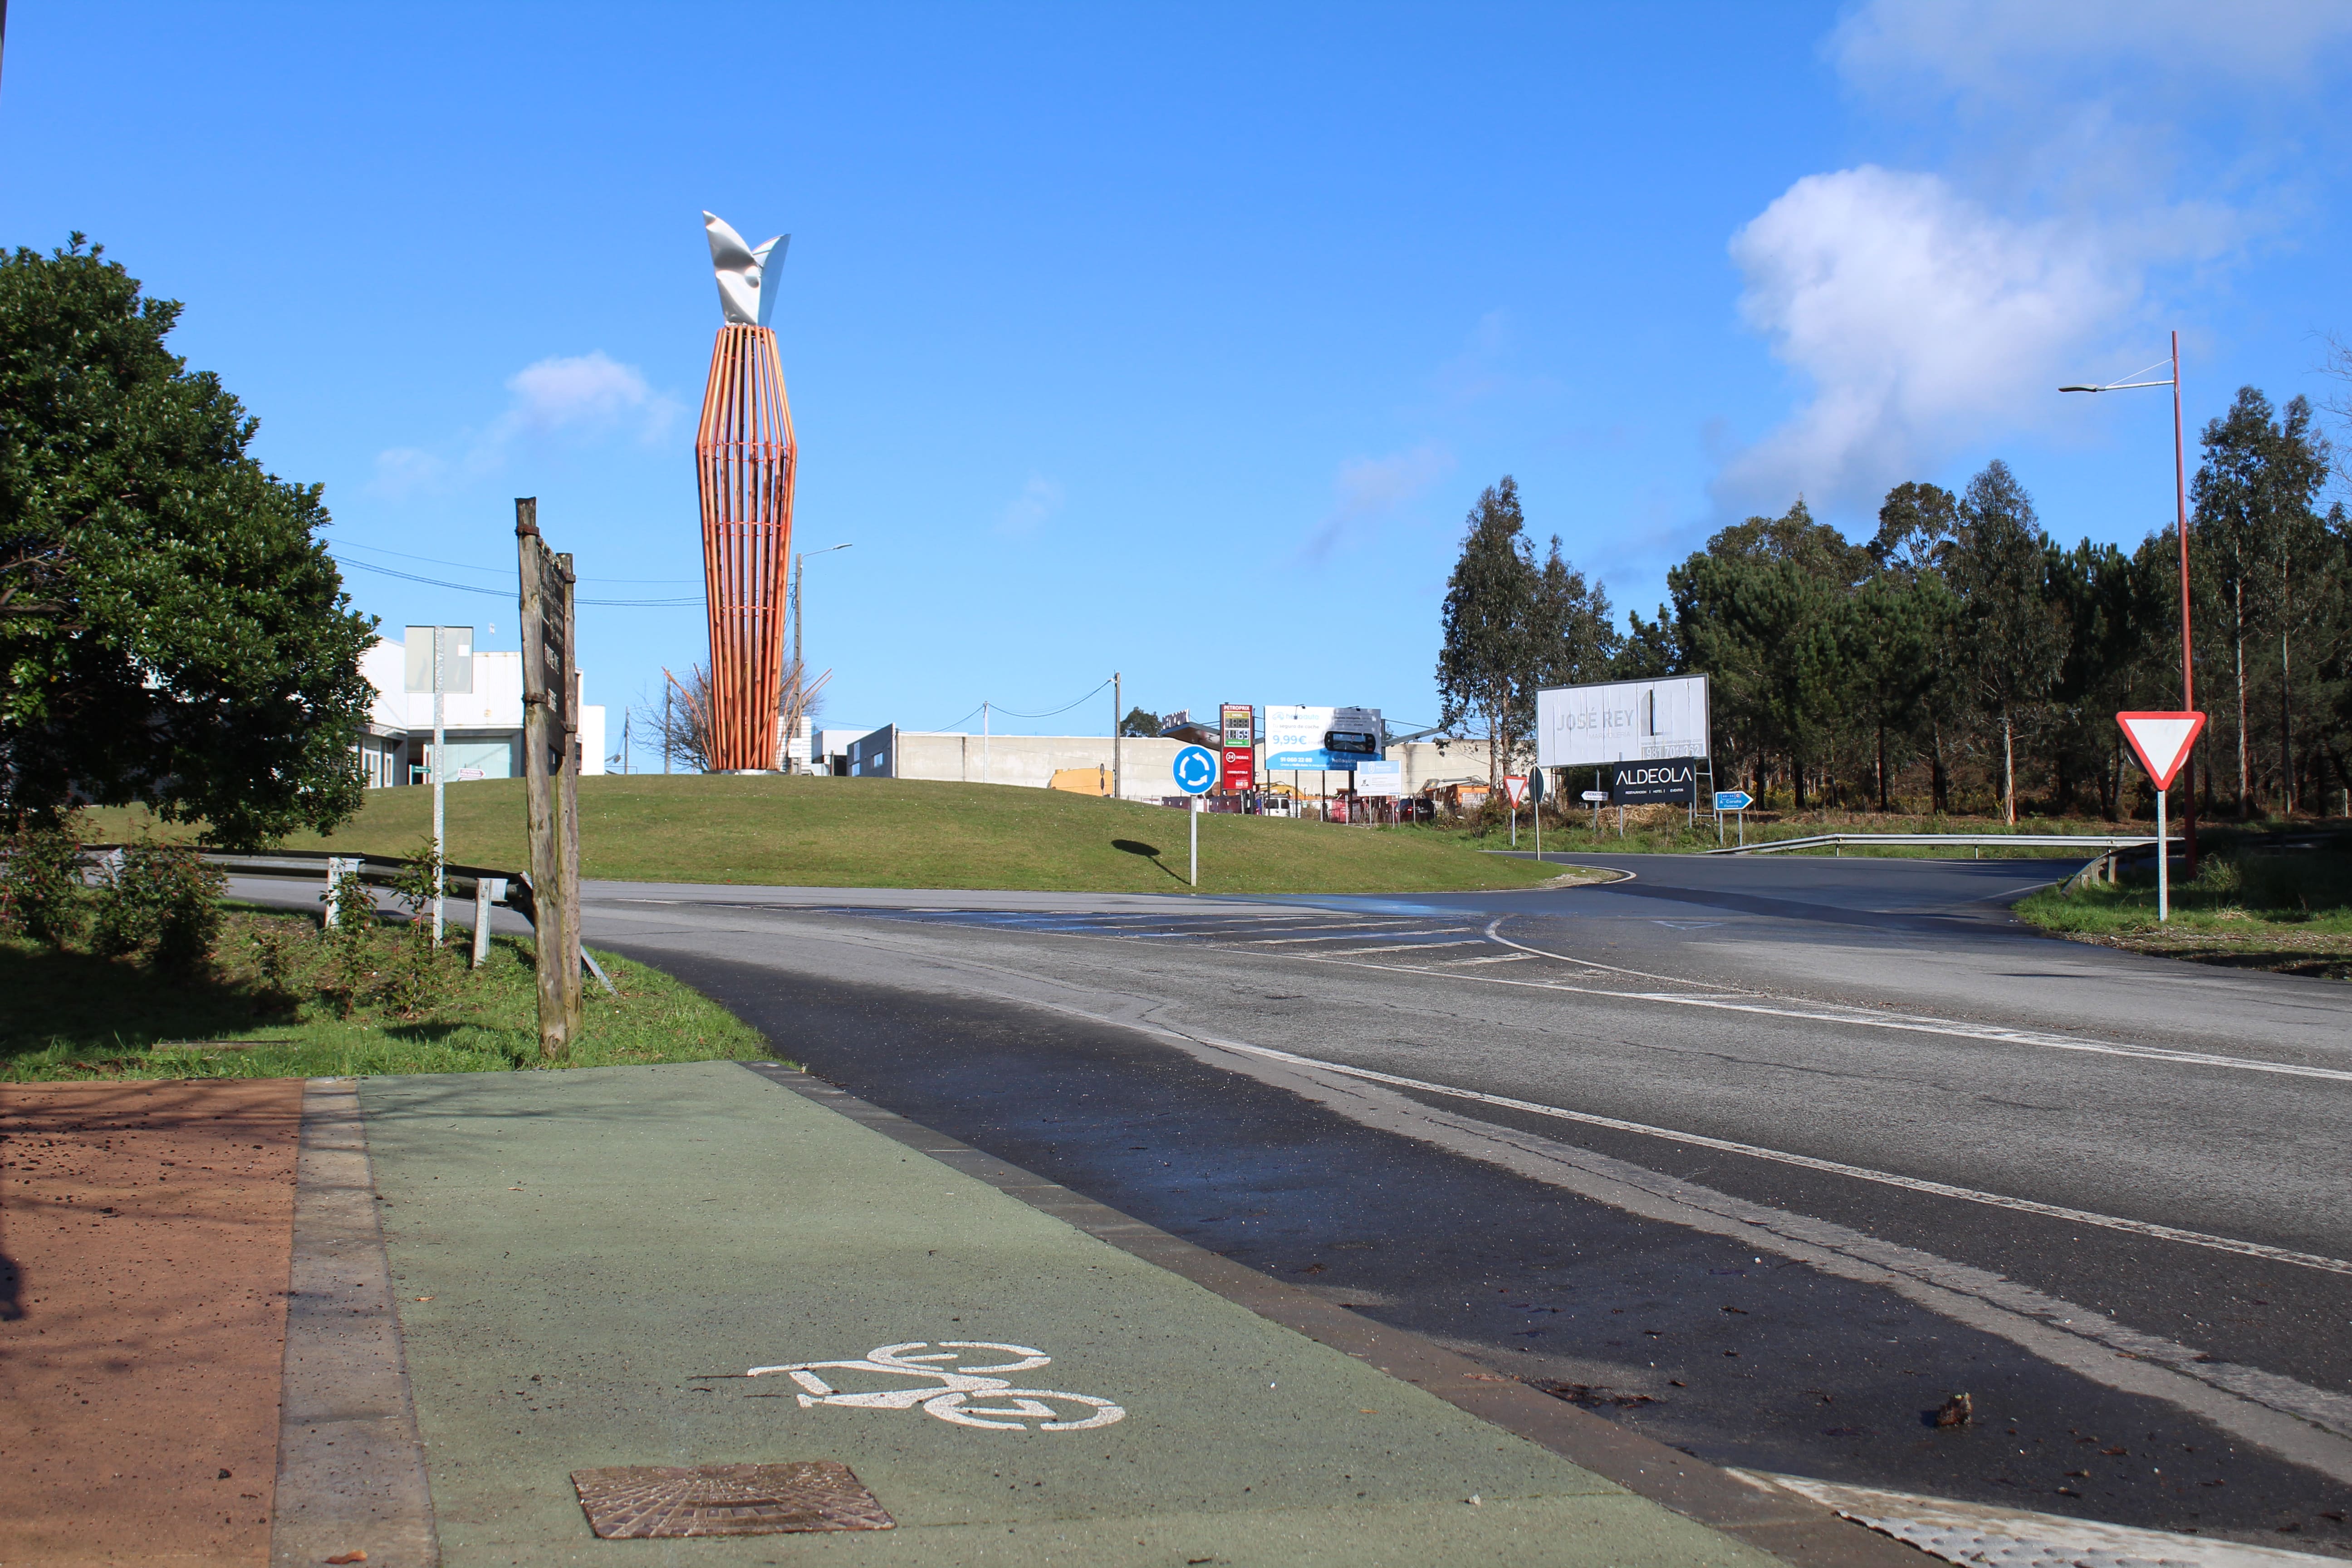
[(743, 466)]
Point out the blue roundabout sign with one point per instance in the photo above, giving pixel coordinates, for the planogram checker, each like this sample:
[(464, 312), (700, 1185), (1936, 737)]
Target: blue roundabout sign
[(1196, 769)]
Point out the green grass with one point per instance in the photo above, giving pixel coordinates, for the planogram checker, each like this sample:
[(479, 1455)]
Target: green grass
[(893, 833), (331, 1010), (2257, 902)]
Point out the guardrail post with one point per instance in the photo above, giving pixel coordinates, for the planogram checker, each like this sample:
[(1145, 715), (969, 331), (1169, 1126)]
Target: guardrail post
[(336, 866), (488, 890)]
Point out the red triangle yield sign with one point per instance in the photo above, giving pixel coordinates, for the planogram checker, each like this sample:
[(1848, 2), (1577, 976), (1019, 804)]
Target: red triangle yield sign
[(2161, 741)]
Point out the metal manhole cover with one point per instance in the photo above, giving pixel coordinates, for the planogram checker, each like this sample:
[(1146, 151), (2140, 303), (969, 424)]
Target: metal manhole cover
[(635, 1502)]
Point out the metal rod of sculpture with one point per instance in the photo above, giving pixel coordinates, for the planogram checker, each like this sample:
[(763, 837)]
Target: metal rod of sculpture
[(743, 466)]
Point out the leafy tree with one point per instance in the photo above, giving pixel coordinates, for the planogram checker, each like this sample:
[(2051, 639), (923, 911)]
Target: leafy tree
[(1487, 656), (1572, 636), (1139, 723), (170, 630), (2010, 643)]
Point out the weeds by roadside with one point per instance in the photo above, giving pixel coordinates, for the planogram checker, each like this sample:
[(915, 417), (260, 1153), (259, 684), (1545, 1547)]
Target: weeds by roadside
[(143, 972), (2255, 903)]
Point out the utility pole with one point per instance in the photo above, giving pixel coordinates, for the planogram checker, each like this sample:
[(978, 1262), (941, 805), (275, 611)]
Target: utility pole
[(983, 741), (440, 771), (1118, 723)]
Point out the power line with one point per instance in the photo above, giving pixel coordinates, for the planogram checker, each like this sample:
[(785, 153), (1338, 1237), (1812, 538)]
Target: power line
[(1009, 713), (502, 594), (496, 571)]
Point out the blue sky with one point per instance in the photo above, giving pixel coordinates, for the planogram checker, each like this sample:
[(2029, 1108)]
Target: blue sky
[(1178, 339)]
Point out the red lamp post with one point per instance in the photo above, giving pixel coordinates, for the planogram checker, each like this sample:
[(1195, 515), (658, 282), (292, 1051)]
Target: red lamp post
[(2180, 501)]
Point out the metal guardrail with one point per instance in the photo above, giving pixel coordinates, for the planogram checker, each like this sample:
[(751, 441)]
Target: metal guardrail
[(2100, 844), (483, 886)]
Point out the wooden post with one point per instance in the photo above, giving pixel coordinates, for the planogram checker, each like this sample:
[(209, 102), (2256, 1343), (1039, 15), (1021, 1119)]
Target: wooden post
[(574, 999), (549, 749)]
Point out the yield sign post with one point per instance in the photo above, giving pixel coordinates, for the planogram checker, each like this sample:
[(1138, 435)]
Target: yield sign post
[(2161, 741)]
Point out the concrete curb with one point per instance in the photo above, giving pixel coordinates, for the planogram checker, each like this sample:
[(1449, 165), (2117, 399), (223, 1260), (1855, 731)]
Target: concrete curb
[(1771, 1519), (351, 1467)]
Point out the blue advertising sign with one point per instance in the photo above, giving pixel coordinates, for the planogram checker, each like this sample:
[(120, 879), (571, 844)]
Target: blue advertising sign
[(1313, 740), (1732, 800), (1196, 769)]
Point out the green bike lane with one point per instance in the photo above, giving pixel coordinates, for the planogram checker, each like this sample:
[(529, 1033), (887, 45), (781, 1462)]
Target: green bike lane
[(586, 1263)]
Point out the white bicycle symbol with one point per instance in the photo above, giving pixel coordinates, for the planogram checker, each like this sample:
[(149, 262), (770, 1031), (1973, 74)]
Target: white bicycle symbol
[(948, 1393)]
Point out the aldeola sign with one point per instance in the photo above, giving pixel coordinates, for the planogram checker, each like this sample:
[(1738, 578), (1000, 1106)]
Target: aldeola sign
[(1671, 781)]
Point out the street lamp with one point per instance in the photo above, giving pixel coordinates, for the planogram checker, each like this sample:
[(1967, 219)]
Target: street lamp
[(2180, 500), (800, 670)]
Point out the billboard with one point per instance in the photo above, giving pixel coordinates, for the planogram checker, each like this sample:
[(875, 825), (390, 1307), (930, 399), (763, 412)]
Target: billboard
[(1621, 721), (1379, 778), (1315, 739), (1674, 782)]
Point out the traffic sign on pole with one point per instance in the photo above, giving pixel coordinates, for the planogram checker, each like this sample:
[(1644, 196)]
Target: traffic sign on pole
[(2161, 741), (1514, 788), (1196, 769), (1732, 800)]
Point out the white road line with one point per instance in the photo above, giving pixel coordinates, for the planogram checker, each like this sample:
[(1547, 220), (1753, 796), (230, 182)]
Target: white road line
[(1357, 936), (1407, 947), (1914, 1022), (1467, 963), (1807, 1162)]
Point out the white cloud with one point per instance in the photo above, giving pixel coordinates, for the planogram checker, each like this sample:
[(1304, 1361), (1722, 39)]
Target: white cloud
[(1030, 511), (2095, 146), (565, 395), (404, 470), (1921, 320), (1367, 488), (588, 393), (2005, 49)]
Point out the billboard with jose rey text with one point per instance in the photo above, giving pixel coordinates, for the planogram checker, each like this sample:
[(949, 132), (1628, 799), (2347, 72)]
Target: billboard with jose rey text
[(1621, 721), (1313, 740)]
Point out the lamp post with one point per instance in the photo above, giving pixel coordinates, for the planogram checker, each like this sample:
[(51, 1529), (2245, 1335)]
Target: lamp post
[(800, 567), (2181, 502)]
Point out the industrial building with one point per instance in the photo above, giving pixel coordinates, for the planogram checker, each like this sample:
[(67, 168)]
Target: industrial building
[(483, 727), (1143, 765)]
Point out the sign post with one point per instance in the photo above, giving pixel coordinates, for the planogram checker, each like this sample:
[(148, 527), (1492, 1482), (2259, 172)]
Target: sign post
[(2161, 741), (1515, 792), (1736, 802), (550, 695), (1196, 776), (1237, 747), (439, 659), (1535, 799)]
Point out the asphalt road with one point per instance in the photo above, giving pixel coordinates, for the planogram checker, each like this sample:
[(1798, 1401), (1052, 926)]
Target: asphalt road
[(1766, 1157)]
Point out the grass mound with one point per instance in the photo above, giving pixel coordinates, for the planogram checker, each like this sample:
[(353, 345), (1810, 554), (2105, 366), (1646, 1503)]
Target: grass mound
[(906, 833), (280, 998)]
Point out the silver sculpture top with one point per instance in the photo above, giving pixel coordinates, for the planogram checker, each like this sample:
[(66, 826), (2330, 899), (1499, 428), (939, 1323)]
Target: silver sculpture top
[(743, 298)]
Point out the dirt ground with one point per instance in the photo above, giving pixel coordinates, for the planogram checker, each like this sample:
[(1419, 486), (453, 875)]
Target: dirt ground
[(144, 1237)]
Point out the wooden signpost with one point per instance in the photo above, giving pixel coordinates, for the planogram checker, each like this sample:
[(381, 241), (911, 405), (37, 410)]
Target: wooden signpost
[(550, 697)]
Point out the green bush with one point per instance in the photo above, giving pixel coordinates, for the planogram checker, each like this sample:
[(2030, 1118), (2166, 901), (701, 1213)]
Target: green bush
[(163, 898), (40, 885)]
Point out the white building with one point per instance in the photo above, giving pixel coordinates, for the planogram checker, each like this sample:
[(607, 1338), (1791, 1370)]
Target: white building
[(484, 727), (1145, 765)]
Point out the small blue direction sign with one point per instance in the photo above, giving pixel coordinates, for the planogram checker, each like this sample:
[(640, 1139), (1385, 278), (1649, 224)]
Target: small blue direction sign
[(1196, 769), (1732, 800)]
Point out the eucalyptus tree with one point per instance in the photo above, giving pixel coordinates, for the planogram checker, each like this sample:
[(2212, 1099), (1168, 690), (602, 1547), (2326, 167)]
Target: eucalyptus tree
[(2255, 495), (1488, 654)]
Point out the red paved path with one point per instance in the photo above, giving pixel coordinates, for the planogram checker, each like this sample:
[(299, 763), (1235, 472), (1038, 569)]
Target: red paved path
[(145, 1232)]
